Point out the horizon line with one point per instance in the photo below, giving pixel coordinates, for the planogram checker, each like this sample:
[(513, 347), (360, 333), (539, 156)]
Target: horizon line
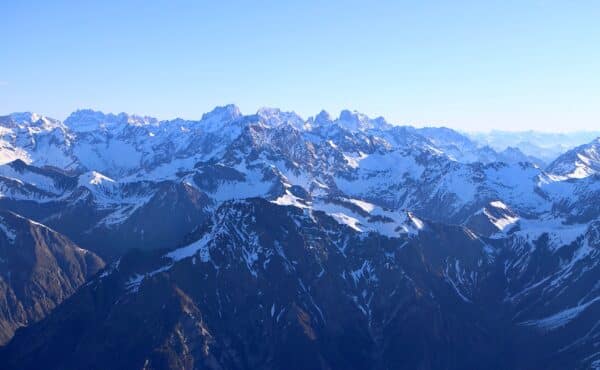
[(355, 111)]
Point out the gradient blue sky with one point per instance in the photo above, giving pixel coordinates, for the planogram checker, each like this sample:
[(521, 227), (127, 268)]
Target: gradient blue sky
[(473, 65)]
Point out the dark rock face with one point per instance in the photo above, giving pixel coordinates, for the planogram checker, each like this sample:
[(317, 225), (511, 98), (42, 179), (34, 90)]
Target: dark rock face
[(271, 287), (39, 268), (169, 211)]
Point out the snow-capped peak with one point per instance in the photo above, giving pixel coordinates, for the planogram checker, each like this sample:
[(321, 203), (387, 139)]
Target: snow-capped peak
[(580, 162), (225, 113), (34, 120), (25, 117), (323, 118), (356, 121), (275, 117)]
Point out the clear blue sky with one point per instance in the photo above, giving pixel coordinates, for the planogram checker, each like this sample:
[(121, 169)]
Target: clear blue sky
[(465, 64)]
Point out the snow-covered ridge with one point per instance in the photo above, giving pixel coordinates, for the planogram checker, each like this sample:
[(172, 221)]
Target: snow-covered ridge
[(363, 158), (376, 173), (89, 120), (580, 162)]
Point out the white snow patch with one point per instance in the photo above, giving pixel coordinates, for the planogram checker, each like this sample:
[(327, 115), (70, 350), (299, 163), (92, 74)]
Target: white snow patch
[(561, 318), (498, 204), (289, 199), (347, 220), (133, 284), (559, 233), (98, 178), (387, 223), (416, 221), (199, 246), (365, 206), (10, 234), (354, 160)]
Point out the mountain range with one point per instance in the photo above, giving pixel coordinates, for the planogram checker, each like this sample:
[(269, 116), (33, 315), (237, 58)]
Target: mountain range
[(544, 145), (272, 241)]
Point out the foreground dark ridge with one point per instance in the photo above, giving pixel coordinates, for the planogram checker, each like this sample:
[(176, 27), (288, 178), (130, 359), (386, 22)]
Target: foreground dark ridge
[(272, 287), (40, 268)]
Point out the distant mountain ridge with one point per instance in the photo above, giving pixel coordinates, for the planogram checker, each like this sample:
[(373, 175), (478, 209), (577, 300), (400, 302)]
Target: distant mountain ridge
[(52, 142), (546, 146)]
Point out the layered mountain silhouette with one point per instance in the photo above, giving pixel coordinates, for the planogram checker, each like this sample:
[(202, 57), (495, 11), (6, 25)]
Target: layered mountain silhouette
[(272, 241)]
